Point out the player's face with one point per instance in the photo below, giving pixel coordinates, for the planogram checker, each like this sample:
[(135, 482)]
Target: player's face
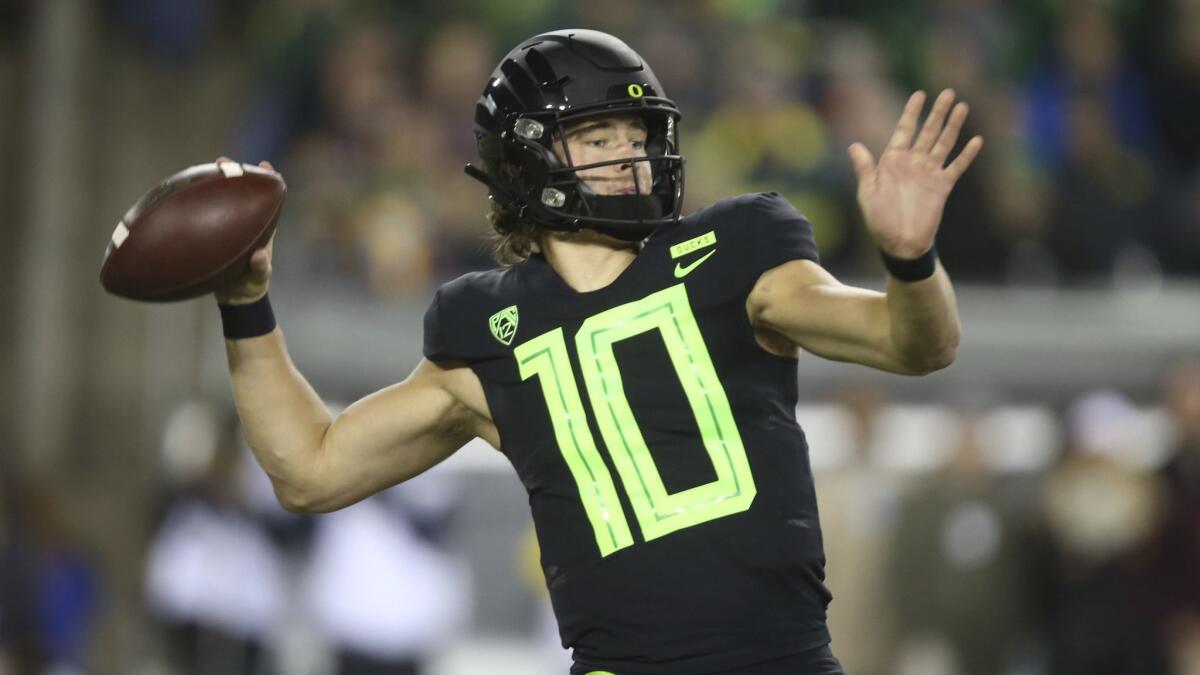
[(605, 139)]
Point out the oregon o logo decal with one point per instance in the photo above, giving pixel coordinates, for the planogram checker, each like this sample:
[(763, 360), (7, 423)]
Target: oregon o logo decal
[(635, 91)]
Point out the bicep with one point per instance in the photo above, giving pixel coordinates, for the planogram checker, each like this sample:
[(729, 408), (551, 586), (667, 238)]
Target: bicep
[(393, 435), (803, 302)]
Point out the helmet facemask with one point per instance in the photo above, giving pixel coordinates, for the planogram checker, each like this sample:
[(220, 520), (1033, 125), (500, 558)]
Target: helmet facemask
[(648, 191)]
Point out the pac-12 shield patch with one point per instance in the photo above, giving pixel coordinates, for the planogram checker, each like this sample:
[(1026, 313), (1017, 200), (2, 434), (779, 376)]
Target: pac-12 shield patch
[(504, 325)]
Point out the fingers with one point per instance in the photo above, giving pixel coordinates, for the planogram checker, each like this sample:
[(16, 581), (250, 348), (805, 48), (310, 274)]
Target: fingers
[(964, 159), (902, 137), (949, 135), (264, 164), (933, 124), (863, 160)]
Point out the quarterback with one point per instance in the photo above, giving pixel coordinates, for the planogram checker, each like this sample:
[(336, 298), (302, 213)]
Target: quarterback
[(637, 366)]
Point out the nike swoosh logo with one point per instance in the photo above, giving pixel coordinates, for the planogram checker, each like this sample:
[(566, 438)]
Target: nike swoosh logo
[(681, 271)]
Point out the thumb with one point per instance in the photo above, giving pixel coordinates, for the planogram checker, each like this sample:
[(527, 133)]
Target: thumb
[(863, 160), (260, 260)]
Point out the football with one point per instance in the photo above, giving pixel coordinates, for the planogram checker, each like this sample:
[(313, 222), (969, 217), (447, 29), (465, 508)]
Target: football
[(193, 233)]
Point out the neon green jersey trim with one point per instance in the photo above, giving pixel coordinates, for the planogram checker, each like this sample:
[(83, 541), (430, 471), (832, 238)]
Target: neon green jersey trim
[(545, 357), (659, 513)]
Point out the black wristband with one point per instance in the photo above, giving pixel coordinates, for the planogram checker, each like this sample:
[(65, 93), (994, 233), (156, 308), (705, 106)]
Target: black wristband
[(246, 321), (911, 269)]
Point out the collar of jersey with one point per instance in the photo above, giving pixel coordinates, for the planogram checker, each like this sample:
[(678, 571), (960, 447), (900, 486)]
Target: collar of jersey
[(549, 280)]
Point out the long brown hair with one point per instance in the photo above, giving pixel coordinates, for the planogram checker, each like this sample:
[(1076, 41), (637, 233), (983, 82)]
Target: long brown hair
[(513, 239)]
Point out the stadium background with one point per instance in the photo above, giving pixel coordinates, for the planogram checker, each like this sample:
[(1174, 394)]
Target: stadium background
[(1029, 510)]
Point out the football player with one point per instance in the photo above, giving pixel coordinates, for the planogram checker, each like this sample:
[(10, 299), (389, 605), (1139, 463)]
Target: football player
[(636, 366)]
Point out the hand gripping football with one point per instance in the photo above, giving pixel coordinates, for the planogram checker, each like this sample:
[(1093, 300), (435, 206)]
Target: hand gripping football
[(194, 233)]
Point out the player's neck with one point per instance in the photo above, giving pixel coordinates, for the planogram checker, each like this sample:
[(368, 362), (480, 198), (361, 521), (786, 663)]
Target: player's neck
[(588, 261)]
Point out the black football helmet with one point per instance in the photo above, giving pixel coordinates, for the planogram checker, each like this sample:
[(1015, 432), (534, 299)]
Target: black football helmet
[(563, 77)]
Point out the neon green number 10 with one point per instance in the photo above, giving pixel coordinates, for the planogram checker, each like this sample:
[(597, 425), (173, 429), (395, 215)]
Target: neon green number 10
[(658, 512)]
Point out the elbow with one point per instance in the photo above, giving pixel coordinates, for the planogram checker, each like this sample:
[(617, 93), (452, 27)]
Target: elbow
[(297, 482), (292, 500), (937, 361), (933, 360), (296, 499)]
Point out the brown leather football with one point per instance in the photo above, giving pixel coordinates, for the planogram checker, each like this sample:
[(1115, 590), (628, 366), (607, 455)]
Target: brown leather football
[(194, 233)]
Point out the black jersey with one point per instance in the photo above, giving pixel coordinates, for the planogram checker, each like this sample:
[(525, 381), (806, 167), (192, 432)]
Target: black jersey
[(668, 478)]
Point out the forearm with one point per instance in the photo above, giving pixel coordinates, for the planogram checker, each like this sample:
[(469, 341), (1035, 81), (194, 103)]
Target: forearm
[(284, 419), (923, 320)]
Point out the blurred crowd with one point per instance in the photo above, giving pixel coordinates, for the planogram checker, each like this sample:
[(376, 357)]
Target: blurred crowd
[(1091, 172), (232, 583), (991, 556)]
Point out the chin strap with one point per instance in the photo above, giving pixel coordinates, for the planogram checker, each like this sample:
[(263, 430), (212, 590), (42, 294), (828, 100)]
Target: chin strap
[(634, 208), (627, 207)]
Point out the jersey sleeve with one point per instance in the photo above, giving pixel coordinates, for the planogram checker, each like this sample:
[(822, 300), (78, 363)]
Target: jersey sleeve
[(437, 345), (778, 233), (456, 322)]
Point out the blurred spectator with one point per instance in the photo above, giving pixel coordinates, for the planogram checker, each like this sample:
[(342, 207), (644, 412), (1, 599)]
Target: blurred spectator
[(1176, 567), (214, 579), (380, 588), (959, 577), (363, 172), (21, 647), (1174, 56), (291, 39), (965, 48), (1100, 513), (1102, 191), (860, 104), (459, 54), (1089, 62), (858, 500), (48, 587), (546, 638), (1089, 120), (1175, 232), (173, 30)]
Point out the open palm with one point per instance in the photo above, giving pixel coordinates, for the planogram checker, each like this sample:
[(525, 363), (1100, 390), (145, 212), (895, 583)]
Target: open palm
[(902, 196)]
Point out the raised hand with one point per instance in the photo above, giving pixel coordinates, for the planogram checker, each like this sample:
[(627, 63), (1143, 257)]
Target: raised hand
[(902, 196)]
